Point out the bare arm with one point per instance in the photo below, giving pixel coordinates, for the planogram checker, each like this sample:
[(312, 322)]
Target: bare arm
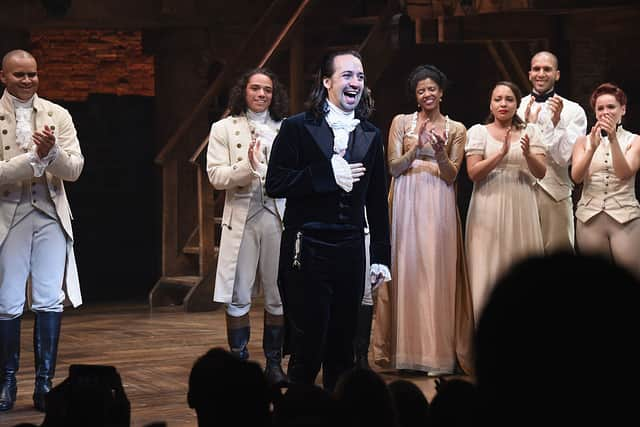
[(583, 154)]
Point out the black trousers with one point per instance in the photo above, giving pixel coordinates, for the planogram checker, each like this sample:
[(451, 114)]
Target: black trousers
[(321, 295)]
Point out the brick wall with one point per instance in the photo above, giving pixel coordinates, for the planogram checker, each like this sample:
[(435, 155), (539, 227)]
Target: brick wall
[(75, 63)]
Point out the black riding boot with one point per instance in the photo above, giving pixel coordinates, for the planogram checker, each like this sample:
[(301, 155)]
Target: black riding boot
[(363, 335), (272, 340), (46, 332), (238, 332), (9, 361)]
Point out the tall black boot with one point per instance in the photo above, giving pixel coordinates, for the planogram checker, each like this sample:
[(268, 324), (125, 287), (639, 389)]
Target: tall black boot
[(9, 361), (272, 340), (238, 332), (46, 331), (363, 335)]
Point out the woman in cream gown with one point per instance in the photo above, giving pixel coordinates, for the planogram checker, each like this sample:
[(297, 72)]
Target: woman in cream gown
[(504, 157), (421, 320)]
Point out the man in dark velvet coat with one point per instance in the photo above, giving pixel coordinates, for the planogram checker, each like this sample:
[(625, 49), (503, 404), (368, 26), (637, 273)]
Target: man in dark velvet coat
[(329, 164)]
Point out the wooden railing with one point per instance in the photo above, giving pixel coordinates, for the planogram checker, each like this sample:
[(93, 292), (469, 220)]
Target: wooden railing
[(283, 34), (229, 69)]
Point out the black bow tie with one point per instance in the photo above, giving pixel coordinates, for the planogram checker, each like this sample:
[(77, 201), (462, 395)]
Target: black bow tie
[(543, 97)]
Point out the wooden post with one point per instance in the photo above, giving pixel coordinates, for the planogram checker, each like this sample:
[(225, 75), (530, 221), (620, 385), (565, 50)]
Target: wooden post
[(296, 72)]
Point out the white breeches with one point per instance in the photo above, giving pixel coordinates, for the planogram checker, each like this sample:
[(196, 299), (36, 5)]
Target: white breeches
[(35, 246), (258, 263)]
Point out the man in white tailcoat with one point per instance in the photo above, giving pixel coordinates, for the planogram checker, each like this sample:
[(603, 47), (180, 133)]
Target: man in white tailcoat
[(237, 156), (39, 151)]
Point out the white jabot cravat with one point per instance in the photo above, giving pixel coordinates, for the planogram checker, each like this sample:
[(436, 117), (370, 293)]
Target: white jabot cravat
[(259, 125), (342, 123), (24, 134), (24, 113)]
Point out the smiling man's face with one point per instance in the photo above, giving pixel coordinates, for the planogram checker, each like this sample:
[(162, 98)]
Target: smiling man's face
[(346, 84)]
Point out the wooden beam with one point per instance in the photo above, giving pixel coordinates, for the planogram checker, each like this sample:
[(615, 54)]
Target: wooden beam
[(522, 77), (609, 23), (296, 72), (498, 61)]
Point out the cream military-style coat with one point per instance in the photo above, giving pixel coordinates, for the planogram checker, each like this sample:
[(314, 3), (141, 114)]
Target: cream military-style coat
[(229, 168), (15, 169)]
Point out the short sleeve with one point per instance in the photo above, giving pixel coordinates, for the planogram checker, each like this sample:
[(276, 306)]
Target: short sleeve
[(476, 140)]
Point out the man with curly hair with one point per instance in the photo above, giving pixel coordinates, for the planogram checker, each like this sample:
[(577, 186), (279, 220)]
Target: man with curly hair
[(237, 155)]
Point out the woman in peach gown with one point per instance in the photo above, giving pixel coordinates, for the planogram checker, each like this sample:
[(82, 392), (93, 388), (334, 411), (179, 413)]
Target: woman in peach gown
[(423, 320), (504, 156)]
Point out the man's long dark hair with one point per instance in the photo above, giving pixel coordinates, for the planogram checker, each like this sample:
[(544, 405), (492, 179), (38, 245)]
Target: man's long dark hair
[(238, 100), (316, 103)]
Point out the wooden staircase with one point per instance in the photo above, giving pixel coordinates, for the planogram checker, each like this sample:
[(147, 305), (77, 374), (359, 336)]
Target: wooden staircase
[(293, 48)]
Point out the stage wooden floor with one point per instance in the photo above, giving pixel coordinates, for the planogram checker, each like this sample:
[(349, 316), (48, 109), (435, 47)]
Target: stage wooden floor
[(152, 350)]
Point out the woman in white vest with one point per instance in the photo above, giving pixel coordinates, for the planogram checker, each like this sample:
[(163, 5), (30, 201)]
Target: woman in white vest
[(606, 162)]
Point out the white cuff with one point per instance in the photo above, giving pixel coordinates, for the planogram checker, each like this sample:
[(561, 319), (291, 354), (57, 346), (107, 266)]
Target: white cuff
[(342, 173), (379, 269), (40, 164)]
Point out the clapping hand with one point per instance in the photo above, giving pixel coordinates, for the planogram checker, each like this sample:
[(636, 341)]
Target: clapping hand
[(532, 111), (438, 140), (524, 144), (44, 141), (555, 106), (424, 134), (255, 153), (506, 144)]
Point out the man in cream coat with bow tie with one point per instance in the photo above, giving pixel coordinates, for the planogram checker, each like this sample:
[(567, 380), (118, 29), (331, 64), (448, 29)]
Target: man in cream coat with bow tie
[(238, 151), (561, 121), (40, 150)]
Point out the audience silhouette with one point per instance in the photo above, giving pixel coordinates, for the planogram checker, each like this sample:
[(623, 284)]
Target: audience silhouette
[(410, 404), (306, 405), (555, 344), (455, 404), (92, 395), (364, 399), (225, 390)]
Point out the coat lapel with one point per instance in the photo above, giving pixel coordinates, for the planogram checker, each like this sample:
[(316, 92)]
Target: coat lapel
[(361, 142), (322, 135)]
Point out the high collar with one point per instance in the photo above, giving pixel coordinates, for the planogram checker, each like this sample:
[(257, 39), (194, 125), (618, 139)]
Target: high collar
[(19, 103), (6, 102), (257, 117), (338, 114)]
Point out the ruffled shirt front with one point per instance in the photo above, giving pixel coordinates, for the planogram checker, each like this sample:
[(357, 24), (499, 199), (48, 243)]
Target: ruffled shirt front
[(24, 135)]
